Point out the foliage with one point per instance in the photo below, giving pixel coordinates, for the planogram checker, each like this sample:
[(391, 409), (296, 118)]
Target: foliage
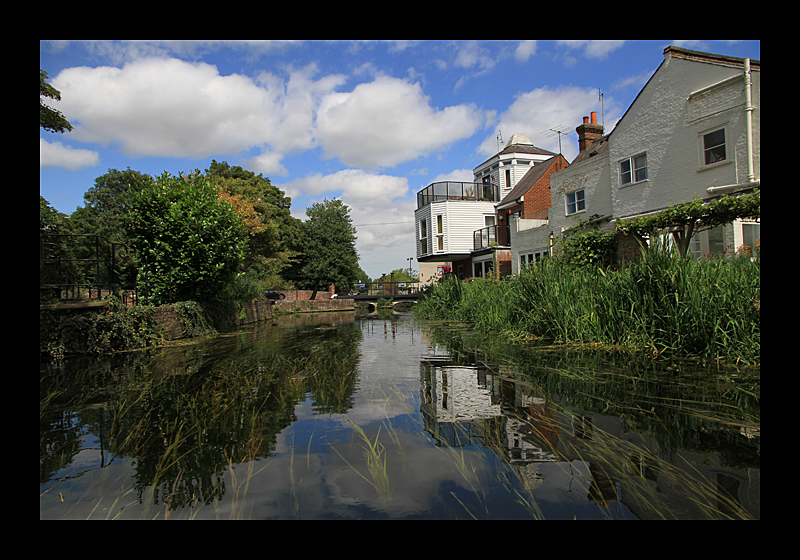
[(189, 242), (330, 255), (273, 240), (113, 329), (686, 219), (589, 248), (193, 317), (49, 118), (664, 304)]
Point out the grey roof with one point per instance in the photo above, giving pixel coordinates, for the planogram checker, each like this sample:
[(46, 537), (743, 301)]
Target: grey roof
[(597, 147)]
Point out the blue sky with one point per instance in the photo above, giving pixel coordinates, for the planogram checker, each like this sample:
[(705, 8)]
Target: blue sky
[(370, 122)]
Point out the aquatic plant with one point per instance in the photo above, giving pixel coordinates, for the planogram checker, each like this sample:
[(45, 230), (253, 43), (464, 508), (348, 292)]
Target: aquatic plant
[(663, 304)]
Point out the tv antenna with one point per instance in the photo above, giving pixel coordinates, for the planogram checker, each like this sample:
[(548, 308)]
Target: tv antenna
[(601, 99), (499, 139), (560, 130)]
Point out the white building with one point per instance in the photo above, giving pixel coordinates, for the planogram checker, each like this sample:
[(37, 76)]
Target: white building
[(451, 216), (694, 131)]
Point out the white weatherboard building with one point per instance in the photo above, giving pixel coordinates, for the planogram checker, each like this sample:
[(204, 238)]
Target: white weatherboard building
[(449, 214)]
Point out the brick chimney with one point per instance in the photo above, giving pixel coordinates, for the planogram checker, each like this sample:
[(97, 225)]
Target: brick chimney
[(588, 132)]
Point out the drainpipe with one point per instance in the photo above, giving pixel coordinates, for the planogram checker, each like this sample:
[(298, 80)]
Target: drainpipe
[(748, 107)]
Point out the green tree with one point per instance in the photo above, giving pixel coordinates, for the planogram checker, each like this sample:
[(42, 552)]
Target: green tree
[(49, 118), (274, 235), (189, 243), (107, 204), (330, 255)]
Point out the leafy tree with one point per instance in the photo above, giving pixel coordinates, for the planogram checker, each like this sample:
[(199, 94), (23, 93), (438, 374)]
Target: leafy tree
[(274, 235), (330, 255), (50, 219), (108, 202), (686, 219), (49, 118), (189, 242)]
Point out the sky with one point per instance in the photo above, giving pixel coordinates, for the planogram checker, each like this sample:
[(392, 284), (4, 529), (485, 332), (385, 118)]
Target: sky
[(368, 122)]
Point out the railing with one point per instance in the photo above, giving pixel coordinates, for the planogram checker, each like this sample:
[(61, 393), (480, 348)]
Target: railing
[(82, 266), (387, 288), (490, 236), (454, 190)]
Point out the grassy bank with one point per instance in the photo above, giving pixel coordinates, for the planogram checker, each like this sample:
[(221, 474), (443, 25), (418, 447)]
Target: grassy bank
[(664, 304)]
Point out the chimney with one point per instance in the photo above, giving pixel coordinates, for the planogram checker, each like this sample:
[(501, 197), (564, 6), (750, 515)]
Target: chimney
[(588, 132)]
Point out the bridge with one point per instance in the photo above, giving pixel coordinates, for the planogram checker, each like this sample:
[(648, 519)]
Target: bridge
[(372, 292)]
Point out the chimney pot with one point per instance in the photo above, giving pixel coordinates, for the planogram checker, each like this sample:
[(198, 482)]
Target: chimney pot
[(585, 120), (594, 117)]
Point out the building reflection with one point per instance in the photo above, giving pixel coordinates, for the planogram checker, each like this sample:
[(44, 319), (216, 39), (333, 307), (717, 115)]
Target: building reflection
[(467, 401)]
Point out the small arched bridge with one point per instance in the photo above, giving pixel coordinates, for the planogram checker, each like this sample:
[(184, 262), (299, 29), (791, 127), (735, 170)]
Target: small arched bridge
[(392, 299)]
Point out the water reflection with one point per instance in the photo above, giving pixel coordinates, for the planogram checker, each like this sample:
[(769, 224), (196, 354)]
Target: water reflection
[(343, 416)]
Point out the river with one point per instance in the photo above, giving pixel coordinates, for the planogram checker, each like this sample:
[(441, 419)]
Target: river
[(345, 416)]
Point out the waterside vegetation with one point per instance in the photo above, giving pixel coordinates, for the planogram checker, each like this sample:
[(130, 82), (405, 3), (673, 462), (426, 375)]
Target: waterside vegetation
[(663, 304)]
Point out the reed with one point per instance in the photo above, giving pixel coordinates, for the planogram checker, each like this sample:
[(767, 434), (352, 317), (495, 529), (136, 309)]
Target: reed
[(664, 304)]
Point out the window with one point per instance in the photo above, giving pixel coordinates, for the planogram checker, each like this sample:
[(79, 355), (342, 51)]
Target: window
[(576, 202), (714, 146), (439, 233), (529, 259), (751, 234), (633, 170), (423, 237)]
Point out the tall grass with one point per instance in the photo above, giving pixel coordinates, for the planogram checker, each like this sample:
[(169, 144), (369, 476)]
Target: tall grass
[(664, 304)]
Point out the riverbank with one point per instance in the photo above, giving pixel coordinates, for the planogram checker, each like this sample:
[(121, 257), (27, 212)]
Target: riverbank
[(108, 326), (663, 305)]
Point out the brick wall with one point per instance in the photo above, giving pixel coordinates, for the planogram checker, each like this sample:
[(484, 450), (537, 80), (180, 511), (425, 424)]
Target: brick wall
[(170, 322), (629, 248), (254, 311), (295, 306)]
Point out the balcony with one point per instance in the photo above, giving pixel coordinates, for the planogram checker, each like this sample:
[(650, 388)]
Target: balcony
[(490, 236), (453, 190)]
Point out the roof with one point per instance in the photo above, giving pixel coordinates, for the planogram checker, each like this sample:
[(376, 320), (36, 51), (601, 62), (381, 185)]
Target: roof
[(597, 147), (710, 58), (695, 56), (518, 144), (528, 180), (518, 138)]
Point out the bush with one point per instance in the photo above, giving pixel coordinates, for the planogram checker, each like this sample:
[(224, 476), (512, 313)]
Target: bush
[(190, 244)]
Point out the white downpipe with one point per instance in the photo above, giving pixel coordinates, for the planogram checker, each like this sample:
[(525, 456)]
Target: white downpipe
[(748, 107)]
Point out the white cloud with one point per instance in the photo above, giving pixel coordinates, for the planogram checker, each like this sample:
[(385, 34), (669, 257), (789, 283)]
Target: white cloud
[(593, 49), (387, 122), (525, 50), (355, 186), (381, 206), (170, 108), (56, 154), (463, 175), (544, 108)]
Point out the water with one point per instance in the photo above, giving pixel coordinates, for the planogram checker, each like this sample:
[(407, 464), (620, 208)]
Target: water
[(333, 416)]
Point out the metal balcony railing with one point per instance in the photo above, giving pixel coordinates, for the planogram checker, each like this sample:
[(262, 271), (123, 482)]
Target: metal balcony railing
[(454, 190), (490, 236)]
